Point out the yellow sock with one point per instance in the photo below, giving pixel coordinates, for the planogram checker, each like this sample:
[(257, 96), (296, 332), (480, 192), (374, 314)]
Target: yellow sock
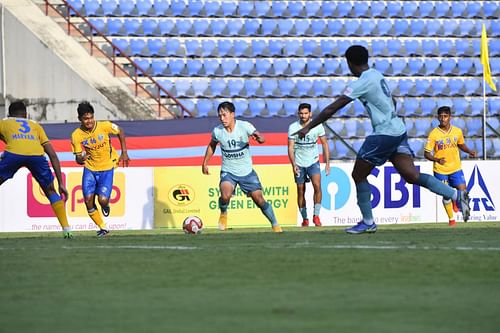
[(60, 210), (448, 206), (97, 218)]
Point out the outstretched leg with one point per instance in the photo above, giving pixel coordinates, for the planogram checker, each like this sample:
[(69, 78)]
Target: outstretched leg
[(59, 208), (266, 209)]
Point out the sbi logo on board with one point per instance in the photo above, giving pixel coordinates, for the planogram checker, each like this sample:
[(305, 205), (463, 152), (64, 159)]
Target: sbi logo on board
[(395, 192)]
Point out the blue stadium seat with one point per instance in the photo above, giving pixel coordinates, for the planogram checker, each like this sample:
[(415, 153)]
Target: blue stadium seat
[(321, 88), (182, 88), (456, 87), (241, 106), (431, 66), (378, 48), (297, 66), (275, 47), (411, 107), (121, 44), (285, 27), (109, 7), (446, 47), (167, 85), (296, 8), (460, 107), (293, 47), (127, 8), (144, 65), (433, 28), (331, 65), (269, 27), (302, 27), (115, 27), (150, 27), (224, 48), (472, 87), (313, 9), (494, 106), (467, 28), (377, 9), (494, 66), (92, 8), (178, 8), (167, 27), (193, 47), (279, 9), (401, 28), (384, 27), (394, 9), (159, 67), (335, 28), (448, 66), (422, 88), (286, 87), (201, 27), (327, 47), (177, 67), (429, 47), (235, 88), (269, 88), (160, 7), (99, 25), (262, 9), (229, 8), (256, 107), (318, 27), (241, 48), (473, 9), (280, 67), (395, 48), (491, 10), (211, 67), (442, 9), (463, 47), (310, 48), (405, 87), (204, 106), (208, 47), (251, 87), (228, 66), (398, 67), (263, 67), (200, 87), (383, 66), (274, 106), (351, 27), (156, 47), (259, 48), (415, 66), (133, 27), (251, 27), (195, 8), (194, 67), (144, 7), (493, 122), (361, 9), (246, 67), (217, 88), (212, 8), (418, 28), (476, 107), (428, 107), (474, 126), (343, 9), (138, 47)]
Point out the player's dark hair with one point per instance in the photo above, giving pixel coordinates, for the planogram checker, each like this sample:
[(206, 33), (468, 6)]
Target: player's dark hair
[(226, 106), (357, 55), (444, 109), (83, 108), (17, 108), (305, 106)]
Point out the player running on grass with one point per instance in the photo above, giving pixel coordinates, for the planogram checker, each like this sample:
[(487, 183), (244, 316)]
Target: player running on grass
[(26, 145), (388, 141), (99, 159), (443, 144), (304, 157), (237, 169)]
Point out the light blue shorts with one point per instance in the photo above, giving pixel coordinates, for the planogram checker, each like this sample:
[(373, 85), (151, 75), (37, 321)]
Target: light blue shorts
[(305, 173), (377, 149)]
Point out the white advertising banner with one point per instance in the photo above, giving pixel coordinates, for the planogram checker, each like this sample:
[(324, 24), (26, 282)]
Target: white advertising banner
[(395, 201), (24, 207)]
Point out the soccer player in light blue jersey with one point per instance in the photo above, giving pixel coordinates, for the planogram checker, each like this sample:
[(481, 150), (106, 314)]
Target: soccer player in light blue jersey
[(233, 137), (387, 142), (304, 157)]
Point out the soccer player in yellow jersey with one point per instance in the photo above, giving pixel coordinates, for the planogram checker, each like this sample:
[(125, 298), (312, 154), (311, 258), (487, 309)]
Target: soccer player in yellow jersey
[(99, 159), (26, 145), (442, 148)]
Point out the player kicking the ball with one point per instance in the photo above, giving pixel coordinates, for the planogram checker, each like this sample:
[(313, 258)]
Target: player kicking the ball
[(388, 141)]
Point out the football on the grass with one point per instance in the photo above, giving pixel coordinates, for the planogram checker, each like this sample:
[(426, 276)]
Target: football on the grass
[(192, 225)]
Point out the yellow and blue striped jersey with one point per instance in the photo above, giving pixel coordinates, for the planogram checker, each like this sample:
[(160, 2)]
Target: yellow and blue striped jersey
[(444, 144), (97, 144), (23, 136)]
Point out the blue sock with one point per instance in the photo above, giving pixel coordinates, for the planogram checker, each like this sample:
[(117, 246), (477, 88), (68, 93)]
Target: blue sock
[(223, 206), (435, 185), (364, 194), (54, 198), (317, 209), (267, 210), (303, 212)]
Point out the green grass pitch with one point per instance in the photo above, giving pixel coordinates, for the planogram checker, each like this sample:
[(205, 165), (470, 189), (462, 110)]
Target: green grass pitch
[(404, 278)]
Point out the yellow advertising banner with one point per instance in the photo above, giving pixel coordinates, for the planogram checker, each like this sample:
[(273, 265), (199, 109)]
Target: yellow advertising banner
[(183, 191)]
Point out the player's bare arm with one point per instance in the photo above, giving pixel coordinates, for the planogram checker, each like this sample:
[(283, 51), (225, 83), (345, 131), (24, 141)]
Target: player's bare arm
[(291, 156), (326, 154), (324, 115), (463, 147), (431, 157), (257, 136), (124, 155), (54, 160), (208, 155)]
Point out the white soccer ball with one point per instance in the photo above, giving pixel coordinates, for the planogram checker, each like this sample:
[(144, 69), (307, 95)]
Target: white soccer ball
[(192, 225)]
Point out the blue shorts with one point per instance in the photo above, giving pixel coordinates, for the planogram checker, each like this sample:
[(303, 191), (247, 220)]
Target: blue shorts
[(377, 149), (97, 182), (248, 183), (453, 179), (305, 173), (37, 165)]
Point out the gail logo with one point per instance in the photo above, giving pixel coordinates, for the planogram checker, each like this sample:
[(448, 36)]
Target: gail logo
[(479, 194)]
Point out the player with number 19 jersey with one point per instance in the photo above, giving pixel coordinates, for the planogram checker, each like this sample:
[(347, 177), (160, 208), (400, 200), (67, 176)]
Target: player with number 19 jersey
[(97, 145), (235, 149)]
